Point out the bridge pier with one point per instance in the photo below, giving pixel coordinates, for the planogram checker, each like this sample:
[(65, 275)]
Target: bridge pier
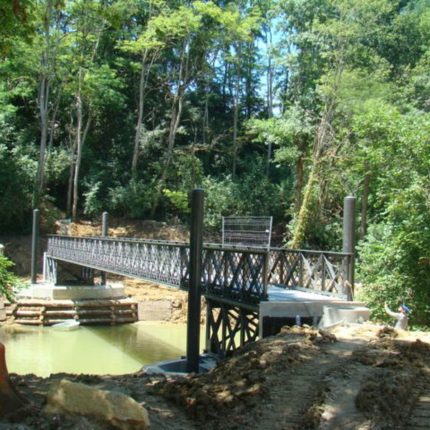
[(229, 326)]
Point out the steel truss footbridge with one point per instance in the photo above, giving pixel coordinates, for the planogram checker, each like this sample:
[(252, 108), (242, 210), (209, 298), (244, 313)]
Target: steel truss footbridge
[(233, 280)]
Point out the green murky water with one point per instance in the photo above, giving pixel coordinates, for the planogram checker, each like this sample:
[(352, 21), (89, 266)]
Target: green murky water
[(93, 350)]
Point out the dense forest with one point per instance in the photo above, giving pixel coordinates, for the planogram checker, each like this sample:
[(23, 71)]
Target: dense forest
[(274, 107)]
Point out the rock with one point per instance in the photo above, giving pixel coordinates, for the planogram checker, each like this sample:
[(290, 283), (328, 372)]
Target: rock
[(117, 409), (327, 336)]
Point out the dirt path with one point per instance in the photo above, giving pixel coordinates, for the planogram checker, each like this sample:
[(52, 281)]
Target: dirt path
[(368, 378), (420, 416), (328, 379)]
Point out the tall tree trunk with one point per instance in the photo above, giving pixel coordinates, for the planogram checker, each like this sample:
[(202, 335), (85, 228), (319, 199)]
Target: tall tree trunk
[(70, 185), (235, 126), (269, 93), (43, 100), (236, 101), (72, 146), (143, 84), (175, 119), (305, 213), (81, 136), (300, 180), (206, 114), (322, 140), (364, 205), (78, 155), (138, 135)]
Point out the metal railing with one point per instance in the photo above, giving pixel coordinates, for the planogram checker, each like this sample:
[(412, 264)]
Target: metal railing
[(235, 273), (317, 271), (238, 273)]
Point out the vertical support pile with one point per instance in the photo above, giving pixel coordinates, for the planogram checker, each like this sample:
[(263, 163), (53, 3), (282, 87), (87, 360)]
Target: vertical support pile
[(34, 245), (194, 291), (349, 241), (105, 233)]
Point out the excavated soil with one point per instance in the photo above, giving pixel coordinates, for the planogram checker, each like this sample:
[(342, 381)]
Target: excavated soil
[(353, 377)]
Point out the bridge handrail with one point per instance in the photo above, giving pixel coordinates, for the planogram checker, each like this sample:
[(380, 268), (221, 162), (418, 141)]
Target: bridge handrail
[(313, 251), (228, 271), (205, 244), (320, 271), (123, 239), (235, 271), (209, 245)]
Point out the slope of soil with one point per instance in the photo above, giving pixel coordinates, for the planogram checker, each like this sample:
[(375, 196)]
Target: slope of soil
[(356, 377)]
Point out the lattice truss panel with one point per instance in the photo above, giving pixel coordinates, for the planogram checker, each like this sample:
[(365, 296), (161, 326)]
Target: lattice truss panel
[(229, 327), (233, 273), (313, 270), (240, 275), (165, 262)]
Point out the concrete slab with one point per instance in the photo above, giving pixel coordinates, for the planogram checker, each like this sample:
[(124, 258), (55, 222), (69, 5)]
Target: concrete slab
[(337, 314), (72, 292), (291, 305)]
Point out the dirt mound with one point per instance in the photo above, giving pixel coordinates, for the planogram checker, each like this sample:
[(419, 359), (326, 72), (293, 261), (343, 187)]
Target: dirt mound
[(18, 248), (303, 378), (388, 394), (238, 384), (142, 229), (300, 379)]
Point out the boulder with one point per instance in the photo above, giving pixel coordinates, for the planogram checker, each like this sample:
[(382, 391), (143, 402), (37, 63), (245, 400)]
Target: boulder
[(117, 409)]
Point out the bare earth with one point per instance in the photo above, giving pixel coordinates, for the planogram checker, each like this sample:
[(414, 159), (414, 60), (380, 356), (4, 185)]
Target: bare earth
[(353, 377)]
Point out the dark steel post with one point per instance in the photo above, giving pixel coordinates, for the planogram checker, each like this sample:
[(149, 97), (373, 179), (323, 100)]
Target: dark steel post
[(35, 245), (349, 241), (105, 233), (194, 291)]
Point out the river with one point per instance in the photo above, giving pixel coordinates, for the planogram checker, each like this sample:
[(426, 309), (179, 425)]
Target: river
[(92, 350)]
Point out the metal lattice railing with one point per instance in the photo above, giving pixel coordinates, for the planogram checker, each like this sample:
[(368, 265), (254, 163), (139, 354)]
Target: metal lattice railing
[(318, 271), (228, 272), (237, 273), (165, 262)]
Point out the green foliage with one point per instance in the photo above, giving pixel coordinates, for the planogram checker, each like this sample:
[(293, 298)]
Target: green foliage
[(130, 201), (179, 199), (289, 133), (7, 279), (394, 258), (94, 203), (219, 201), (171, 93), (186, 172), (252, 194), (16, 184)]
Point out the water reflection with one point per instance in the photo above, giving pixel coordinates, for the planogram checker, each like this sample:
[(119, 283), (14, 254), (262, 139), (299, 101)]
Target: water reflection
[(93, 350)]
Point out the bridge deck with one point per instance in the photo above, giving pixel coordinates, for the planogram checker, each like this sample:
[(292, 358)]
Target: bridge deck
[(282, 294)]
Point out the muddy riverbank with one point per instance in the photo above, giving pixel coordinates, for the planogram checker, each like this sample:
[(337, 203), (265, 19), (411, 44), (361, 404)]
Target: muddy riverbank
[(363, 377)]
